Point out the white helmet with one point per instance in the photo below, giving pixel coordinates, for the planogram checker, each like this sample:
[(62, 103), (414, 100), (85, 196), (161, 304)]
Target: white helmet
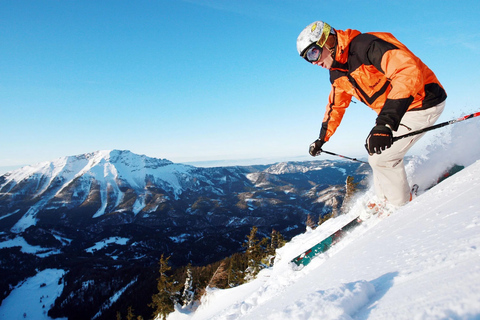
[(317, 31)]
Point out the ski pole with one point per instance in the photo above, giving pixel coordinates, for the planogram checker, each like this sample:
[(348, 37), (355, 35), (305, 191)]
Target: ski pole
[(443, 124), (339, 155), (413, 133)]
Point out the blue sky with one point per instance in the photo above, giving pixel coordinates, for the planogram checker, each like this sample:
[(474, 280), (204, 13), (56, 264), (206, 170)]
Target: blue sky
[(194, 81)]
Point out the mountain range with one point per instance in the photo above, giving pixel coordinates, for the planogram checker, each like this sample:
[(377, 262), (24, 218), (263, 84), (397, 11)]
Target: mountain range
[(106, 217)]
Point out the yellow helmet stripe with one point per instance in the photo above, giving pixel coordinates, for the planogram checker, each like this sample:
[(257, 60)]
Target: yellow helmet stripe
[(325, 34)]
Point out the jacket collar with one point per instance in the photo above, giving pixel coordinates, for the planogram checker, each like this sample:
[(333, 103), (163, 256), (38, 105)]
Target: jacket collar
[(341, 51)]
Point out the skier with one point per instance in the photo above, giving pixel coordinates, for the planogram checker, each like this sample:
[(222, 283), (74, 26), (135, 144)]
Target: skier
[(378, 70)]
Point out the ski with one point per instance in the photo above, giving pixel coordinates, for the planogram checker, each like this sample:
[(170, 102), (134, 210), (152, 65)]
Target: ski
[(305, 258)]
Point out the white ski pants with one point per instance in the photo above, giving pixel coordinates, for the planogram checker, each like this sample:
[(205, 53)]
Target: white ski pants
[(390, 178)]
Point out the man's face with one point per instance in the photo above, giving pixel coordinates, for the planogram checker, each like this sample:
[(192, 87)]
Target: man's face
[(325, 60)]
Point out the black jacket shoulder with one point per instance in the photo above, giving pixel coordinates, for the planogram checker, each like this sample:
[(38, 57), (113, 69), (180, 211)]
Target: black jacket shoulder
[(368, 49)]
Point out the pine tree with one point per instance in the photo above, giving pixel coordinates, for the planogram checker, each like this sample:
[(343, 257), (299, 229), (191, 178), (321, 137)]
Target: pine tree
[(321, 219), (130, 315), (325, 217), (188, 291), (162, 301), (238, 264), (276, 241), (351, 188), (220, 277), (310, 223), (254, 255)]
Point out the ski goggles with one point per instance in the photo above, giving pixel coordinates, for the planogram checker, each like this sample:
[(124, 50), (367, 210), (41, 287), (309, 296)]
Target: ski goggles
[(314, 51)]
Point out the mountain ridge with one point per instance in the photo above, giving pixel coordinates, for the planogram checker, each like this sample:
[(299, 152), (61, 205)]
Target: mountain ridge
[(71, 178)]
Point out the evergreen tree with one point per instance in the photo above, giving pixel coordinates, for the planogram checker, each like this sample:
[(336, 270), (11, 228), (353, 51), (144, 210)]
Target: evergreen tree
[(238, 264), (324, 218), (188, 291), (310, 223), (220, 277), (351, 188), (276, 241), (255, 253), (130, 315), (162, 302)]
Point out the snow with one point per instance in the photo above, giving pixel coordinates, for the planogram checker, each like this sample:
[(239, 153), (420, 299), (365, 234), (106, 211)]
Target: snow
[(9, 214), (421, 261), (181, 238), (139, 204), (63, 240), (105, 242), (27, 248), (35, 296)]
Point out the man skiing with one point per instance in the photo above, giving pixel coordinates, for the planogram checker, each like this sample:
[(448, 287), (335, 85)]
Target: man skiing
[(378, 70)]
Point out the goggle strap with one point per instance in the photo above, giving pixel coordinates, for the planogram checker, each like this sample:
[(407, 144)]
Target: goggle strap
[(325, 33)]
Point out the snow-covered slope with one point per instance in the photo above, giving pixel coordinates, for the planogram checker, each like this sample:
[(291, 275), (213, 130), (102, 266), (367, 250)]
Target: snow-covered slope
[(36, 296), (420, 262)]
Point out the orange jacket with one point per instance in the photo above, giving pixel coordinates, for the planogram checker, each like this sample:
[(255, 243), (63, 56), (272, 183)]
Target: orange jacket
[(378, 70)]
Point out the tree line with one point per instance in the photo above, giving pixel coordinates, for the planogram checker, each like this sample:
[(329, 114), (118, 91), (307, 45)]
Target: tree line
[(185, 286)]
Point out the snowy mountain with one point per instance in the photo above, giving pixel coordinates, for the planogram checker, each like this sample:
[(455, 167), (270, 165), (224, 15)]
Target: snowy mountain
[(418, 262), (117, 180), (115, 213)]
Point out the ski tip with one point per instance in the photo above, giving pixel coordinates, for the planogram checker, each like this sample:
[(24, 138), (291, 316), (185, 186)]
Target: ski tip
[(296, 267)]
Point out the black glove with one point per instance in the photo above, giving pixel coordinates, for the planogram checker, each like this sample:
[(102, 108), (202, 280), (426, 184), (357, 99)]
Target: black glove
[(379, 139), (316, 147)]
